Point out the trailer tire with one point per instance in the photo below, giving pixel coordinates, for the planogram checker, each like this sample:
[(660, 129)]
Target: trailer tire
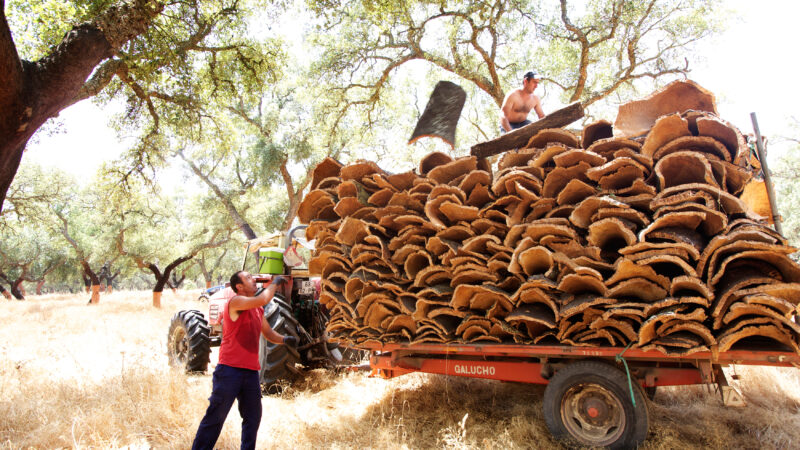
[(188, 343), (588, 403), (278, 361)]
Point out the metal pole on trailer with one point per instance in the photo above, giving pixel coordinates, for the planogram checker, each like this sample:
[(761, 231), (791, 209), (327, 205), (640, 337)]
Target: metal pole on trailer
[(762, 156)]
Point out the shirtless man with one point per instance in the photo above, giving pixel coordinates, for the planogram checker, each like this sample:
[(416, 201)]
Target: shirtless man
[(519, 103)]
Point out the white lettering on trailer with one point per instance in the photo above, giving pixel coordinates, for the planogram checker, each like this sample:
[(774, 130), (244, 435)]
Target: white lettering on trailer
[(462, 369)]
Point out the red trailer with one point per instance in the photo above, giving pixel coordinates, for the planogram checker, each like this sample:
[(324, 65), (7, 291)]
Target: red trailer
[(594, 395)]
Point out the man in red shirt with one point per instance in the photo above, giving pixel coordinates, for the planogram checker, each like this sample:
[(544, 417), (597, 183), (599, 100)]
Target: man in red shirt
[(236, 375)]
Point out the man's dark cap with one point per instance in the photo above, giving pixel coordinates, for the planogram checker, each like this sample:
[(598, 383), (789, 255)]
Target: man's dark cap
[(531, 75)]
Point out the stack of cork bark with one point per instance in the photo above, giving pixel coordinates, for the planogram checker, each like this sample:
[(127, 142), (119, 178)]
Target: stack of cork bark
[(588, 241)]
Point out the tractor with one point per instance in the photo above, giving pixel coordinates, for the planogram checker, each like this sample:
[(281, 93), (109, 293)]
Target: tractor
[(294, 310)]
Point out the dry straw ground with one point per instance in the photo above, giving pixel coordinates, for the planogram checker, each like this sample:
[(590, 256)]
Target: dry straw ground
[(78, 376)]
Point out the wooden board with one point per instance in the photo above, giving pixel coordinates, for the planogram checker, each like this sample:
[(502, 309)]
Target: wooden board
[(519, 138)]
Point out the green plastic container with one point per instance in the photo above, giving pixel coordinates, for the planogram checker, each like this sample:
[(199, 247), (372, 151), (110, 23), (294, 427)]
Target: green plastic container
[(270, 260)]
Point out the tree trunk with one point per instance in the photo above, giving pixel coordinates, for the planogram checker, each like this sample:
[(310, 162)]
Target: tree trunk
[(87, 282), (208, 284), (39, 286), (16, 289), (6, 294), (110, 281), (163, 278), (240, 222), (95, 294), (33, 92), (93, 281)]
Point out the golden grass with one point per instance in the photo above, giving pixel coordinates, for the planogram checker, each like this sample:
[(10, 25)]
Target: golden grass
[(78, 376)]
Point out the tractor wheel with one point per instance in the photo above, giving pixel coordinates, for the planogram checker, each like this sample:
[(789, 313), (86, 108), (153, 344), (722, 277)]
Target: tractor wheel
[(188, 344), (589, 403), (278, 361)]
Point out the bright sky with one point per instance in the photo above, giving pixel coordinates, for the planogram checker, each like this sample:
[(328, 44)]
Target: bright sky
[(751, 67)]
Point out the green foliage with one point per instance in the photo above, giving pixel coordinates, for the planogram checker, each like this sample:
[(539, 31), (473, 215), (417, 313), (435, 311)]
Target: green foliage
[(786, 181), (587, 51), (39, 25), (30, 244)]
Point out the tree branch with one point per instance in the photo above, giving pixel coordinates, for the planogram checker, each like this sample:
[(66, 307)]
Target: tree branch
[(225, 199)]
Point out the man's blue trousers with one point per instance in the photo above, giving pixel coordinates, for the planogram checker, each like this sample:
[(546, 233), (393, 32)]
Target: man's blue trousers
[(231, 383)]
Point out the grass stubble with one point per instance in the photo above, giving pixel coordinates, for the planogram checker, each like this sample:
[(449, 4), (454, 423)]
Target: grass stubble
[(78, 376)]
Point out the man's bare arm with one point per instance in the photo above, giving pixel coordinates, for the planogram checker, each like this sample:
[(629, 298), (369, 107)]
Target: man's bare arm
[(241, 303), (538, 108)]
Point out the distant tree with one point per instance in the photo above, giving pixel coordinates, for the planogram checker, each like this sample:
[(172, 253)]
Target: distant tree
[(210, 265), (29, 249), (28, 254), (76, 217), (160, 233), (110, 276), (90, 244), (786, 180), (162, 276)]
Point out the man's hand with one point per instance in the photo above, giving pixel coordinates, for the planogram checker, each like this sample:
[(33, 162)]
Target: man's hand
[(279, 280), (291, 341)]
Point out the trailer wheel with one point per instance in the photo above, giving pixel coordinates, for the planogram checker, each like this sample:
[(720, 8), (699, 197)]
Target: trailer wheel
[(589, 402)]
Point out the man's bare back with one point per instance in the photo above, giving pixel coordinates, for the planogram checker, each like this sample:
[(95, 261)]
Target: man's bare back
[(519, 103)]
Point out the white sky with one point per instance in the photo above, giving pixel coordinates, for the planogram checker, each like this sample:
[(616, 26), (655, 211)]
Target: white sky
[(751, 67)]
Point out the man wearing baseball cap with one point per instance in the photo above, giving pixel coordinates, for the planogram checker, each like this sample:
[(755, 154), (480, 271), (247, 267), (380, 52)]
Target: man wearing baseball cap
[(520, 102)]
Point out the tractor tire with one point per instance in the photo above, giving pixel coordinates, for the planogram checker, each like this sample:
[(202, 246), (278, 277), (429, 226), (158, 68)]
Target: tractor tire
[(188, 344), (588, 403), (278, 361)]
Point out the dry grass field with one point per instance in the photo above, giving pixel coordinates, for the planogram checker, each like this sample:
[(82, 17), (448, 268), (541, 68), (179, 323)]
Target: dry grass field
[(77, 376)]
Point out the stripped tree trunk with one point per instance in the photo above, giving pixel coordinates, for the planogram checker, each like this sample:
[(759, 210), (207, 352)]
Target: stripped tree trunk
[(94, 283)]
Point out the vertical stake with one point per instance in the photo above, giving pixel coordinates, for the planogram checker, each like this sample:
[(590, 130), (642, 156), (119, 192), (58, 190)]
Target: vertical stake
[(767, 177)]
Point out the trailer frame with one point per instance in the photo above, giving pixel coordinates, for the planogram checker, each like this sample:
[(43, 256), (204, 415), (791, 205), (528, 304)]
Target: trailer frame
[(538, 364)]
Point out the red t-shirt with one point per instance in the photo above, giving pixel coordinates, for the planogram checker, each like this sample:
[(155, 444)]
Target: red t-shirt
[(240, 339)]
